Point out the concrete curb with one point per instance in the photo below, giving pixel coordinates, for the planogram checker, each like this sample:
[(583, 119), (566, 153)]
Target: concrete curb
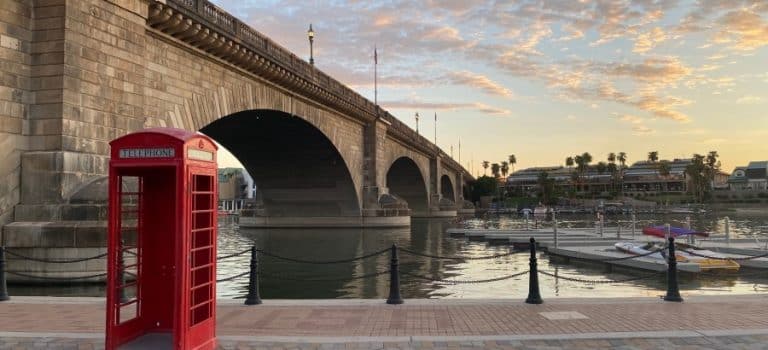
[(413, 339)]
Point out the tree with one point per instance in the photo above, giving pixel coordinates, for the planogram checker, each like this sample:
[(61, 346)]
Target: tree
[(697, 175), (546, 188), (612, 169), (611, 157), (512, 162), (504, 168), (622, 158), (495, 169), (602, 167), (569, 162), (663, 169), (483, 186), (653, 156), (713, 166), (485, 167)]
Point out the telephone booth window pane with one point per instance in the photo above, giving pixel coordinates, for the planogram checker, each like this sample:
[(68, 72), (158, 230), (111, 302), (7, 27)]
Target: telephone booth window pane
[(129, 254), (202, 248)]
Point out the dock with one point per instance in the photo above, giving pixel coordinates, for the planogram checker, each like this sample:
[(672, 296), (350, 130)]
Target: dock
[(587, 244)]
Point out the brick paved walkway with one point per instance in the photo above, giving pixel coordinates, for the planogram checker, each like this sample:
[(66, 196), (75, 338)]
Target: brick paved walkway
[(632, 323)]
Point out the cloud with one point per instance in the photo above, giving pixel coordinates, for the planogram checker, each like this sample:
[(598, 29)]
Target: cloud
[(661, 71), (631, 119), (648, 40), (417, 105), (750, 100), (479, 81), (744, 28), (642, 129)]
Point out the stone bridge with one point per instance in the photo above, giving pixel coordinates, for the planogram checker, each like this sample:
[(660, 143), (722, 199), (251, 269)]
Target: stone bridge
[(77, 74)]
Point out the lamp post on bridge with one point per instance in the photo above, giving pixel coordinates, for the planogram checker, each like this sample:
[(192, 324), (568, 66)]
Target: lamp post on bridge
[(417, 122), (311, 36)]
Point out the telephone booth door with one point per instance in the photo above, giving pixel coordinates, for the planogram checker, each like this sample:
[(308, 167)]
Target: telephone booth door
[(161, 256)]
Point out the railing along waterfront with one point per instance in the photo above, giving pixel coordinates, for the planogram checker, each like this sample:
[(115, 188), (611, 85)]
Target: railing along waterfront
[(395, 296)]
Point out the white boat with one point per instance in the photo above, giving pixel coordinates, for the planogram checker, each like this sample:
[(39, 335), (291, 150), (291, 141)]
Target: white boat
[(707, 260), (540, 210)]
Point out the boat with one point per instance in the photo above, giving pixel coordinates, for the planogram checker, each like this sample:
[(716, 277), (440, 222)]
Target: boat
[(540, 210), (635, 248), (661, 231), (686, 254), (707, 259)]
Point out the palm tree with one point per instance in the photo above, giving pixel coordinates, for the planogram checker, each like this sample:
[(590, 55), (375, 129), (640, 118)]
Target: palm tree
[(512, 162), (653, 156), (504, 168), (612, 169), (602, 167), (664, 169), (485, 167), (712, 167), (495, 168), (569, 162), (622, 158)]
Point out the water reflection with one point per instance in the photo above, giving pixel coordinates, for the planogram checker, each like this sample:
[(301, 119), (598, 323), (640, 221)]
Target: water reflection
[(288, 280), (281, 279)]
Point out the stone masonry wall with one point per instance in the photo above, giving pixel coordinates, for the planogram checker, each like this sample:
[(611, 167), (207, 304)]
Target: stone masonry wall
[(15, 60)]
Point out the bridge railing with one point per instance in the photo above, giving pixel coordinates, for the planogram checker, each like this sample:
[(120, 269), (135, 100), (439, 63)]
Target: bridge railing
[(226, 24)]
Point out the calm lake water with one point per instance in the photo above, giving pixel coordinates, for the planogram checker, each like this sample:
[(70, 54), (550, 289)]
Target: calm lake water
[(289, 280)]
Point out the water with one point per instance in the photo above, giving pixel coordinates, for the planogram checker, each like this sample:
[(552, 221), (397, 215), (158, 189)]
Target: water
[(288, 280)]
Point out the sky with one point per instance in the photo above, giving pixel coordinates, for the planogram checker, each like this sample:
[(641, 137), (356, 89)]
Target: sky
[(547, 79)]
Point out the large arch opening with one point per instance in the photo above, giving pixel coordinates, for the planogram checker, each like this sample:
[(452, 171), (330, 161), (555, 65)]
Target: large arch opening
[(405, 181), (296, 168), (446, 188)]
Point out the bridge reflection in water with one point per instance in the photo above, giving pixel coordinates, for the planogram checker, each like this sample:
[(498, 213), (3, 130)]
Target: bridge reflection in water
[(287, 280)]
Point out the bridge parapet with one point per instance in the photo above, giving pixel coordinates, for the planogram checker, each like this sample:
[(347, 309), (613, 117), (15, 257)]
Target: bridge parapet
[(206, 26)]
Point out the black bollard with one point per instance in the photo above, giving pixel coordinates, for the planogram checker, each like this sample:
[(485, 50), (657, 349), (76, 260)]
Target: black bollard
[(3, 287), (534, 297), (253, 297), (673, 290), (394, 280)]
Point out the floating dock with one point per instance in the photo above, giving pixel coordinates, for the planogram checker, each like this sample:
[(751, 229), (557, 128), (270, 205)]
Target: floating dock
[(586, 244)]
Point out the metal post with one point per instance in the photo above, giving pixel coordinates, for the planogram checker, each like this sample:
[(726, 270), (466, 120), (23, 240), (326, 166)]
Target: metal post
[(602, 225), (727, 230), (673, 290), (618, 229), (634, 222), (554, 227), (394, 280), (3, 287), (253, 297), (526, 222), (688, 226), (534, 297)]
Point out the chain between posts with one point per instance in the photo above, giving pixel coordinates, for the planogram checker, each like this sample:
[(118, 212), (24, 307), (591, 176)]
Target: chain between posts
[(56, 278), (282, 277), (302, 261), (573, 279), (457, 257), (446, 281), (722, 258), (233, 277), (54, 261), (233, 254)]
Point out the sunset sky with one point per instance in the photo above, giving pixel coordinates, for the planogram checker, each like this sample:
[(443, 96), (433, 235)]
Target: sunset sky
[(549, 78)]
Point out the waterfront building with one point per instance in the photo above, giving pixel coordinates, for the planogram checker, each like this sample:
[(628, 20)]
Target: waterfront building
[(235, 186), (644, 177), (751, 177)]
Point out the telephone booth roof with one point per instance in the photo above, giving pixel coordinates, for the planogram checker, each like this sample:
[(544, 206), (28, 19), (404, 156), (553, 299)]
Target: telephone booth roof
[(158, 137)]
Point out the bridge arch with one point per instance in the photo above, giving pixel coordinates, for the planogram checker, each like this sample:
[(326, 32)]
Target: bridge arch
[(447, 188), (406, 180), (298, 169)]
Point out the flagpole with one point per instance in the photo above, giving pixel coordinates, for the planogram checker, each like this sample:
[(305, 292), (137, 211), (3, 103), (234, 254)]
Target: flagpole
[(435, 128), (459, 150)]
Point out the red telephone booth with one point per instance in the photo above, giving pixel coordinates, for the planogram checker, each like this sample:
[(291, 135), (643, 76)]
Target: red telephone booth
[(161, 278)]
